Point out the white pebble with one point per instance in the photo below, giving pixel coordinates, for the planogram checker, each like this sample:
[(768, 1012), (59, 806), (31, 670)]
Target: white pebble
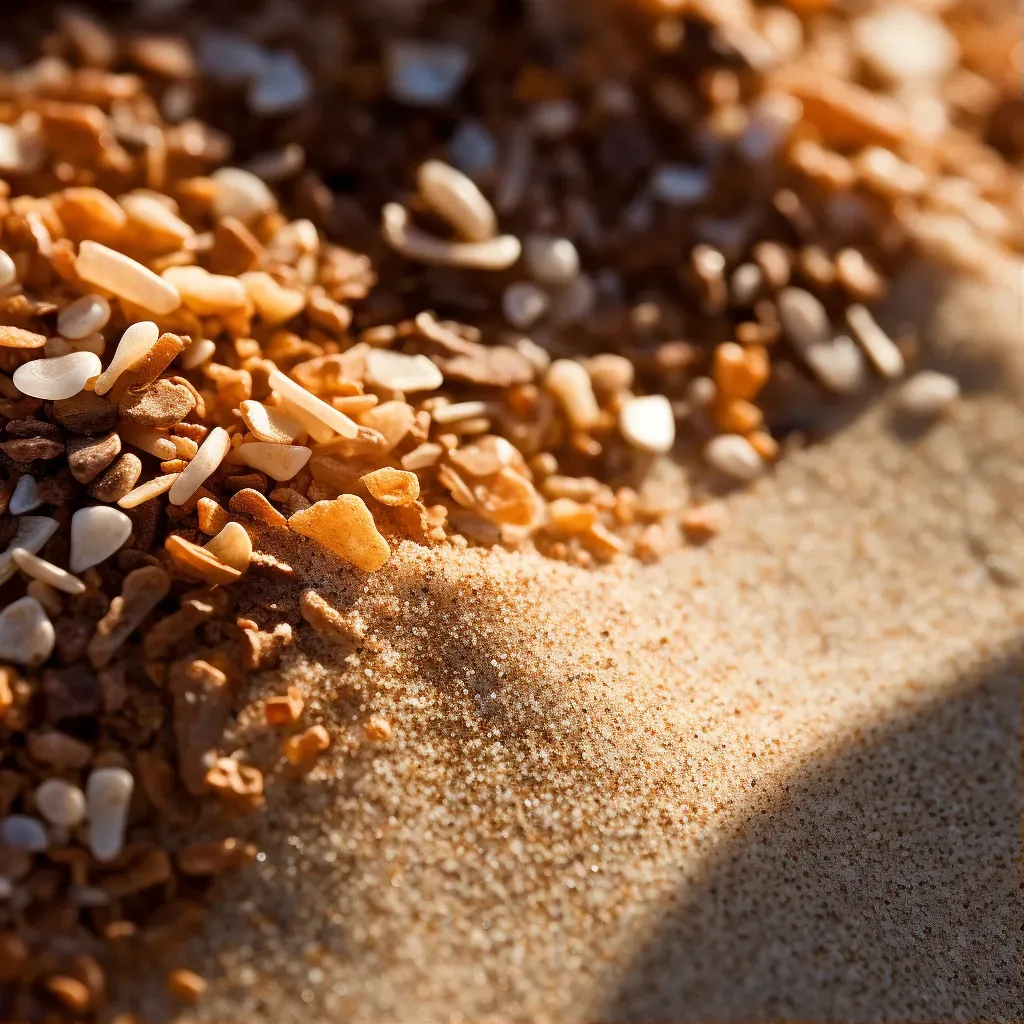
[(97, 532), (278, 461), (905, 45), (114, 272), (282, 85), (401, 372), (927, 394), (555, 118), (232, 545), (53, 379), (880, 348), (836, 361), (137, 341), (570, 384), (734, 456), (8, 271), (108, 794), (210, 455), (523, 303), (22, 832), (425, 73), (314, 413), (550, 261), (60, 803), (33, 532), (455, 197), (26, 634), (83, 317), (648, 423), (25, 497), (240, 194), (46, 572)]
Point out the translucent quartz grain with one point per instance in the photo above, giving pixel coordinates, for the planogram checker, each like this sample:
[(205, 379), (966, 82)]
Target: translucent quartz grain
[(97, 532), (107, 794), (210, 455), (127, 278), (57, 378), (136, 342), (83, 317)]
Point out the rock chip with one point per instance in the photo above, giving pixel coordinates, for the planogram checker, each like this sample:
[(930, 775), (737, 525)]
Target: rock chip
[(88, 456)]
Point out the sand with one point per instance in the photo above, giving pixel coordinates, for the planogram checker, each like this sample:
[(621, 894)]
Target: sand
[(776, 777)]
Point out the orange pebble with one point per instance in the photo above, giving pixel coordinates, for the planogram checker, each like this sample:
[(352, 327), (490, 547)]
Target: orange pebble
[(740, 372), (764, 444)]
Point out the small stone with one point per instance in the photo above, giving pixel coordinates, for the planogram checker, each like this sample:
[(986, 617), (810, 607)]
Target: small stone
[(141, 591), (278, 461), (904, 45), (60, 803), (270, 423), (880, 348), (122, 476), (285, 710), (734, 456), (392, 486), (237, 784), (570, 383), (186, 986), (202, 707), (378, 729), (550, 261), (401, 372), (96, 533), (85, 413), (83, 317), (88, 456), (425, 73), (61, 377), (302, 751), (25, 497), (210, 455), (344, 525), (523, 303), (108, 794), (240, 194), (835, 360), (71, 692), (162, 404), (46, 572), (283, 84), (22, 832), (28, 449), (58, 749), (26, 634), (648, 423), (455, 197), (232, 546), (927, 394), (136, 343), (16, 337), (680, 186)]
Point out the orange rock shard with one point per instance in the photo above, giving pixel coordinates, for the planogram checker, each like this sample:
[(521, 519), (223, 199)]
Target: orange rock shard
[(344, 526)]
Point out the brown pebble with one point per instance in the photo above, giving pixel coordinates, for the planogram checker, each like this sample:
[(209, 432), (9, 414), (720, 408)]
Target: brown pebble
[(13, 956), (215, 856), (212, 518), (26, 449), (202, 706), (240, 785), (87, 456), (85, 413), (142, 590), (702, 522), (185, 985), (303, 750), (70, 991), (262, 650), (122, 476), (71, 692), (235, 248), (58, 749), (163, 404), (286, 709)]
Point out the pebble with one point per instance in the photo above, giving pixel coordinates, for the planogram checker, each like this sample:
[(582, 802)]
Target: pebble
[(456, 198), (83, 317), (473, 149), (97, 532), (312, 411), (346, 527), (88, 456), (648, 423), (550, 261), (905, 45), (210, 455), (26, 634), (835, 360), (734, 456), (233, 546), (678, 185), (523, 303), (107, 794), (230, 57), (401, 372), (33, 532), (282, 85), (46, 572), (554, 119), (23, 832), (25, 497), (240, 194), (61, 377), (278, 461), (8, 271), (127, 278), (927, 394), (60, 803), (880, 348), (425, 73), (570, 383), (137, 341)]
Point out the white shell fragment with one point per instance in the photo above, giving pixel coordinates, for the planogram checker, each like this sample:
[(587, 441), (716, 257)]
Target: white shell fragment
[(455, 197), (927, 394), (210, 455), (97, 532), (309, 403), (278, 461), (83, 317), (46, 572), (114, 272), (23, 832), (648, 423), (401, 372), (25, 496), (135, 343), (33, 533), (232, 546), (57, 378), (60, 803), (107, 795), (26, 634), (734, 456)]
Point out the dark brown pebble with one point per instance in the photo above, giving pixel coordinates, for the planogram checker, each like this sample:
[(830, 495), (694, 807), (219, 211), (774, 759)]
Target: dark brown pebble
[(85, 413), (28, 449), (87, 456)]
